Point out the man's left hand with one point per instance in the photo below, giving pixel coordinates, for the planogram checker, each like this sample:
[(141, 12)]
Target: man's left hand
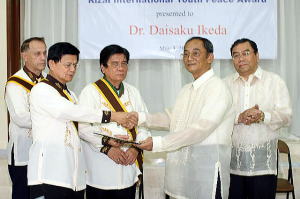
[(132, 154)]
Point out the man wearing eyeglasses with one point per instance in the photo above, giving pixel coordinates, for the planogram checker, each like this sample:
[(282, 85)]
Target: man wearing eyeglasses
[(200, 126), (262, 104), (113, 168), (56, 168)]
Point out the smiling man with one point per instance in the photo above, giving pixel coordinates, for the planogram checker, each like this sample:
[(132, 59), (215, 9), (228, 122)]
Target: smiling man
[(262, 105), (111, 169), (56, 168), (200, 126)]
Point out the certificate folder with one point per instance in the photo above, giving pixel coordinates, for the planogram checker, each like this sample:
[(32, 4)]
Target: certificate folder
[(117, 139)]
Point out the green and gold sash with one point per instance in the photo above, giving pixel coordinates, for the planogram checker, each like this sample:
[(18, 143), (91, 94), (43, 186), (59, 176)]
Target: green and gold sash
[(116, 105)]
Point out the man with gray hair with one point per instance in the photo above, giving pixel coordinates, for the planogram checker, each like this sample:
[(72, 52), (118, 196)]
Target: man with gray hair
[(18, 87)]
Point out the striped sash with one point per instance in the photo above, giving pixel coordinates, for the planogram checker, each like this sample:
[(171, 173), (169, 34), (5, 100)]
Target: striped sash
[(26, 84), (116, 105), (63, 93)]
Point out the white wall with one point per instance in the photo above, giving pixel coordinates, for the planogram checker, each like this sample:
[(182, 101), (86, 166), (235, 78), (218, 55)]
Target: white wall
[(3, 72)]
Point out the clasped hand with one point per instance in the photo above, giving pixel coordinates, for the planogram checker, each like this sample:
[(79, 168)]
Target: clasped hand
[(249, 116), (119, 156), (123, 157)]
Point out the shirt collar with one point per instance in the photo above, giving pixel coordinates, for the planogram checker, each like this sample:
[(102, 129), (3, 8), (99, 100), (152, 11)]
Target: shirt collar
[(34, 78), (257, 74), (119, 92), (57, 83), (203, 78)]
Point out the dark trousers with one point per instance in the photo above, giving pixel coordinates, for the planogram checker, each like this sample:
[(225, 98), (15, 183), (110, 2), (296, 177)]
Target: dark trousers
[(18, 176), (252, 187), (218, 188), (54, 192), (94, 193)]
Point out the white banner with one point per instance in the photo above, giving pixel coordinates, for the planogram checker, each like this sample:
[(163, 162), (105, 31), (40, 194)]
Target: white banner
[(158, 29)]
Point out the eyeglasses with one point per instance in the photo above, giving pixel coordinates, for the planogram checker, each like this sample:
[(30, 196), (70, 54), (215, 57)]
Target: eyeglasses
[(194, 54), (117, 64), (238, 55), (69, 64)]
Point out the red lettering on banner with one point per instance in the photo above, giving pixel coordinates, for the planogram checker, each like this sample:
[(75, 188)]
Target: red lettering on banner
[(205, 30), (135, 30), (166, 30)]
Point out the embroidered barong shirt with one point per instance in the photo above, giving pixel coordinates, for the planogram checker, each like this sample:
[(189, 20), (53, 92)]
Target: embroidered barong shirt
[(254, 147), (17, 102), (103, 172), (56, 156), (199, 141)]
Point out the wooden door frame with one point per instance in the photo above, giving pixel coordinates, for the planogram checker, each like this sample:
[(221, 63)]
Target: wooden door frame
[(13, 36), (13, 39)]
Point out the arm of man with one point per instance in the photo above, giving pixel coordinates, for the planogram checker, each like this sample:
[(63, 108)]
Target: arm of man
[(212, 114), (281, 113), (48, 100), (155, 121), (18, 105), (109, 147), (142, 132), (90, 99)]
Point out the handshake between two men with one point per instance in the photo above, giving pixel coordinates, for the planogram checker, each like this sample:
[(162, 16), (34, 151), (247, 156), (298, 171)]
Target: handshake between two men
[(126, 119)]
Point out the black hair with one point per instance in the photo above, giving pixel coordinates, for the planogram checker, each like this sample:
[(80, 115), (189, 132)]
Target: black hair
[(110, 50), (206, 43), (58, 50), (243, 40)]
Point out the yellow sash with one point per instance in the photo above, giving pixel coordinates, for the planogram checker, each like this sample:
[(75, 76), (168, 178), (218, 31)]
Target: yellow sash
[(116, 105), (26, 84)]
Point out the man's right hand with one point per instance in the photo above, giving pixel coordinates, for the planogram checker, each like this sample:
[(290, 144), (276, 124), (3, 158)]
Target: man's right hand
[(145, 144)]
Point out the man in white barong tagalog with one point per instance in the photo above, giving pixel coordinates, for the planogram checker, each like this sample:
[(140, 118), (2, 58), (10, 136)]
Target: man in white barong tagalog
[(56, 167), (17, 90), (262, 105), (200, 126), (113, 168)]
